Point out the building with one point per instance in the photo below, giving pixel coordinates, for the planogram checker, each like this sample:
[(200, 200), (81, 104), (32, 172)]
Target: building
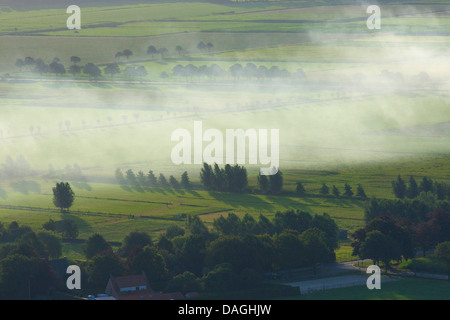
[(136, 287)]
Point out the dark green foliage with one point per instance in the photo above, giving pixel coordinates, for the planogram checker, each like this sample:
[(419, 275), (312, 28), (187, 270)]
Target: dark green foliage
[(174, 183), (63, 196), (52, 243), (360, 192), (413, 188), (25, 277), (426, 185), (336, 191), (102, 266), (276, 182), (95, 245), (50, 225), (69, 229), (174, 231), (300, 189), (152, 181), (229, 178), (348, 190), (184, 283), (324, 189), (263, 183), (151, 262), (185, 182), (134, 242), (399, 187)]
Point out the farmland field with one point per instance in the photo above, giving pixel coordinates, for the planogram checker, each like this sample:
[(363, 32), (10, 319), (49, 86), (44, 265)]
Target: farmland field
[(373, 104)]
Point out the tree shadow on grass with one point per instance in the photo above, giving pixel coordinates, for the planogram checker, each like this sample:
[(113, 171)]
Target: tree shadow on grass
[(26, 187), (82, 185), (83, 226), (242, 200), (194, 193)]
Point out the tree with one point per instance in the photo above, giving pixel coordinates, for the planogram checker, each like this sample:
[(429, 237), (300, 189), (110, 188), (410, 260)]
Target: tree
[(63, 196), (348, 190), (25, 277), (69, 229), (52, 243), (413, 189), (426, 185), (112, 69), (317, 250), (201, 46), (360, 192), (209, 46), (173, 182), (120, 177), (399, 187), (163, 52), (185, 183), (75, 60), (276, 182), (92, 70), (380, 247), (442, 253), (300, 190), (50, 225), (19, 64), (57, 68), (263, 183), (102, 266), (118, 55), (162, 181), (324, 189), (74, 70), (179, 49), (152, 50), (336, 191), (95, 245), (151, 262), (127, 53), (134, 242), (153, 182)]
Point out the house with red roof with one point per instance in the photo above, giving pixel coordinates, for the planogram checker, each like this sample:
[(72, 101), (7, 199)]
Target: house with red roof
[(136, 287)]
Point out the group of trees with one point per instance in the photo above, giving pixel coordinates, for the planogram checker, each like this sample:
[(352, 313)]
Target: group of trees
[(325, 190), (93, 71), (24, 261), (272, 184), (142, 180), (413, 190), (348, 192), (228, 257), (230, 178), (236, 71), (386, 238), (15, 168)]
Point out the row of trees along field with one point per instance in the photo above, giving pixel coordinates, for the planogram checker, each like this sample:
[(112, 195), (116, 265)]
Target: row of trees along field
[(325, 190), (141, 180), (236, 71), (233, 255), (412, 190), (190, 71)]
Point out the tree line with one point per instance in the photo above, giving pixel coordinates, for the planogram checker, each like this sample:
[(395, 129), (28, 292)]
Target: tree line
[(412, 190), (233, 255), (236, 71), (141, 179)]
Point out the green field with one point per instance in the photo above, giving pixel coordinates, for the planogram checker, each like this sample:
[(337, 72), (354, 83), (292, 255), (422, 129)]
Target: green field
[(375, 104), (405, 289)]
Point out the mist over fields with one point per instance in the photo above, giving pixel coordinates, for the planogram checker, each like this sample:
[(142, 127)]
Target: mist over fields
[(364, 89)]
